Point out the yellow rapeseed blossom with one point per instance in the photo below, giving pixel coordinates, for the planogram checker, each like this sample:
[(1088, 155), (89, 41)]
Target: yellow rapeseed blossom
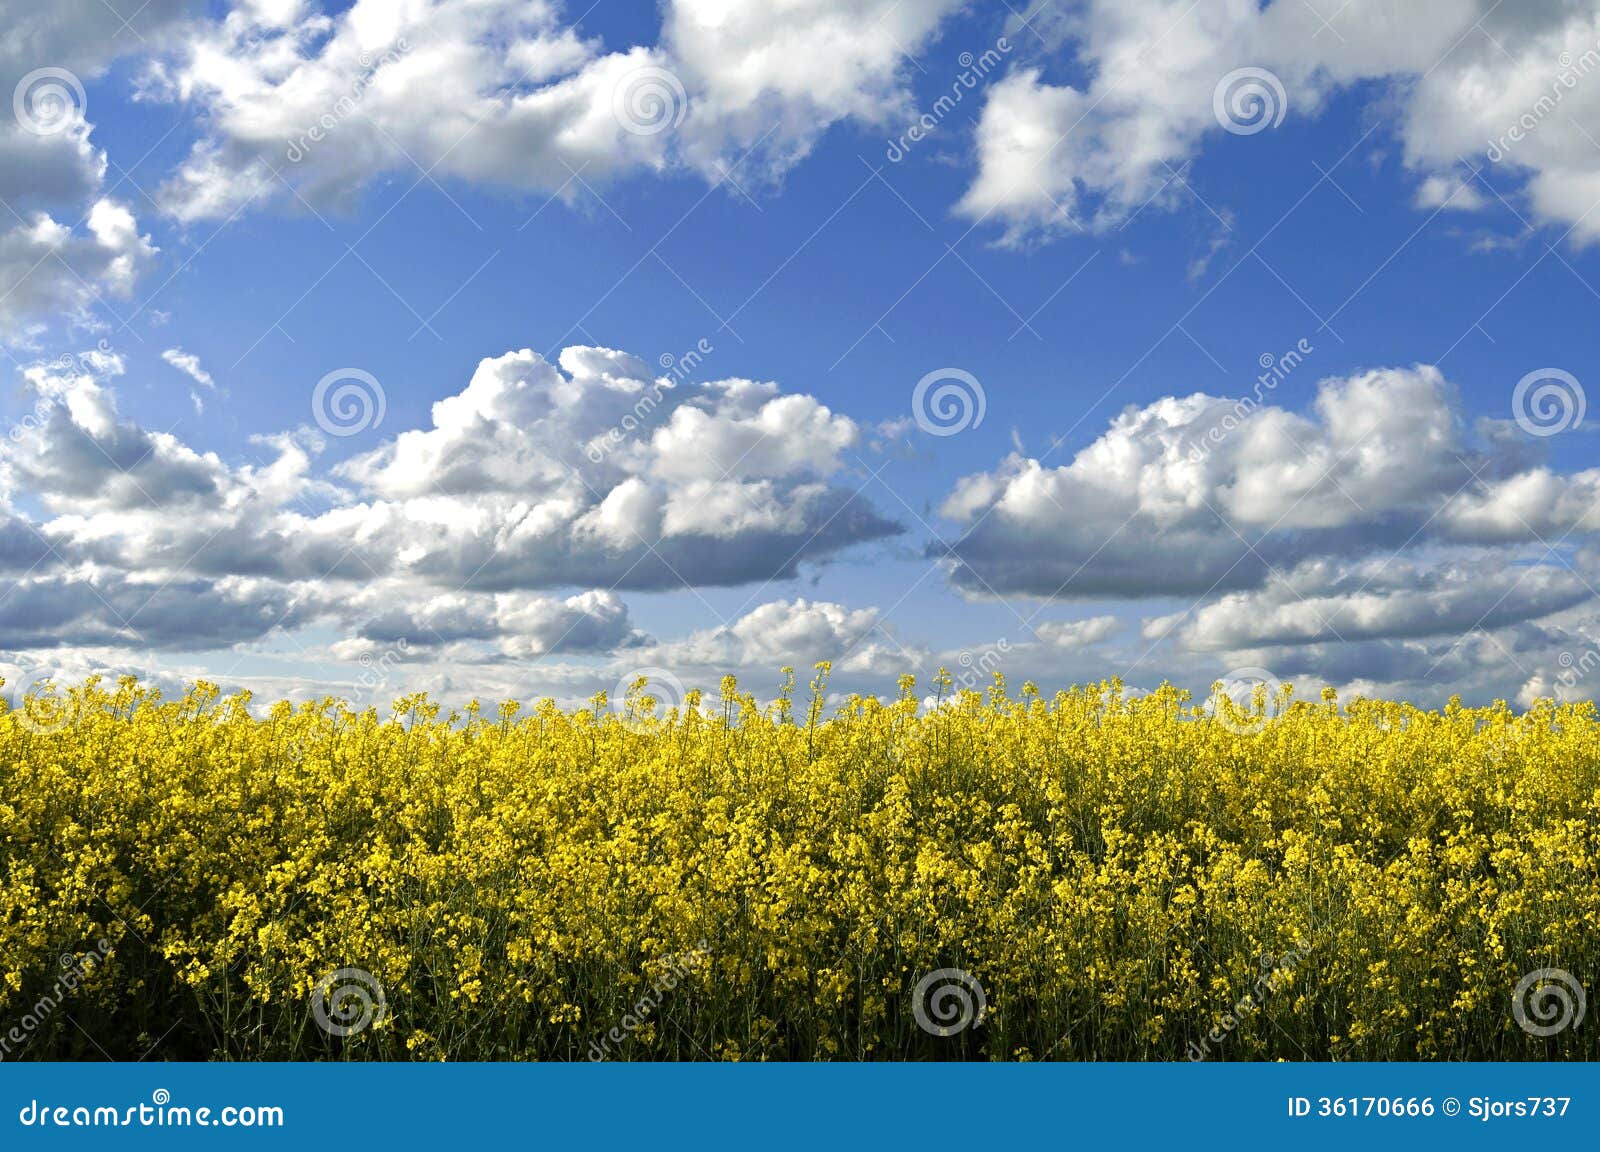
[(1107, 878)]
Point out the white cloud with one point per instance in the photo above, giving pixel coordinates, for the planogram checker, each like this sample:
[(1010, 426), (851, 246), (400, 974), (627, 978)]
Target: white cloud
[(503, 93), (42, 170), (515, 624), (1415, 579), (503, 490), (189, 364), (1473, 80), (456, 533), (83, 458), (1077, 633), (1451, 192), (1325, 602), (498, 92), (49, 269), (792, 633), (1265, 518), (774, 75), (82, 35), (66, 245)]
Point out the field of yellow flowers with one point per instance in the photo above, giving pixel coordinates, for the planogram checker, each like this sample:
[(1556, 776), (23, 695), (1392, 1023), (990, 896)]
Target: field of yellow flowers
[(1005, 876)]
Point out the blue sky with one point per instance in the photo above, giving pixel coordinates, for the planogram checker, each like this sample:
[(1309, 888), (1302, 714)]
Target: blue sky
[(1152, 252)]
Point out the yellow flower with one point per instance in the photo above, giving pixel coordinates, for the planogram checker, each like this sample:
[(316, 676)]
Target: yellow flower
[(746, 879)]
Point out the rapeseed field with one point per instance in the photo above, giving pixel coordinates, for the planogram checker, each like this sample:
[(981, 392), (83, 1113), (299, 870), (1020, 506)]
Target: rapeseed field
[(1003, 876)]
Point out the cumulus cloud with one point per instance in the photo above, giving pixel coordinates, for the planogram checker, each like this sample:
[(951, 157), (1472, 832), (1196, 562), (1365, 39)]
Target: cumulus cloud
[(1377, 515), (498, 92), (1556, 657), (1324, 602), (28, 673), (515, 624), (42, 169), (793, 633), (49, 268), (505, 93), (92, 608), (1375, 541), (774, 76), (522, 482), (504, 525), (81, 35), (1475, 83), (66, 245), (295, 99), (568, 666), (83, 458), (1077, 633)]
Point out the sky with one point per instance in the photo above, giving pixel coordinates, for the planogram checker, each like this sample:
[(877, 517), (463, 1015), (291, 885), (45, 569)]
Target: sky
[(508, 350)]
